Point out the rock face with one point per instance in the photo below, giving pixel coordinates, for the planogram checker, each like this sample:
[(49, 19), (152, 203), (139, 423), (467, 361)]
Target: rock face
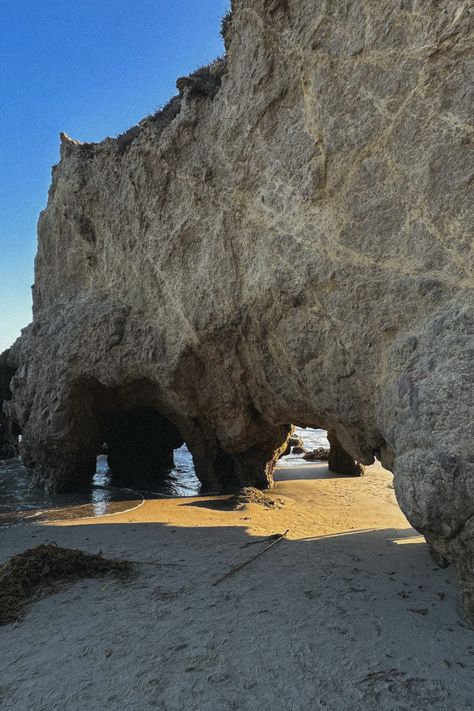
[(9, 430), (288, 241), (339, 460)]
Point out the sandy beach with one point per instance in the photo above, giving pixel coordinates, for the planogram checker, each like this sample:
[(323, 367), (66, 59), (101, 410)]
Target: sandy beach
[(347, 612)]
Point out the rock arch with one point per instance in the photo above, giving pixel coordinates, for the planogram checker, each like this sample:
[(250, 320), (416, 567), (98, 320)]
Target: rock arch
[(292, 242), (140, 439), (141, 433)]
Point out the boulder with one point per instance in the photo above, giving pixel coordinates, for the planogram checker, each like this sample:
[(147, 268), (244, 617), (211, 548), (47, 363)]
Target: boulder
[(296, 442), (318, 454), (292, 442)]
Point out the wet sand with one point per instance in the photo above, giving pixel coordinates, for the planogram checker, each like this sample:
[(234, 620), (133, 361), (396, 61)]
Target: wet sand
[(22, 503), (348, 612)]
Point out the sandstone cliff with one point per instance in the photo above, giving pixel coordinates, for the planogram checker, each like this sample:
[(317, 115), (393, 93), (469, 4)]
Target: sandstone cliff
[(288, 241)]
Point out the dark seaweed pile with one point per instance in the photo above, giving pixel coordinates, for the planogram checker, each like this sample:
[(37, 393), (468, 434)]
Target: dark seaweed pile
[(42, 570)]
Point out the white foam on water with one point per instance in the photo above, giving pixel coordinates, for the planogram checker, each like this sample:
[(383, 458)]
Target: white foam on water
[(312, 440)]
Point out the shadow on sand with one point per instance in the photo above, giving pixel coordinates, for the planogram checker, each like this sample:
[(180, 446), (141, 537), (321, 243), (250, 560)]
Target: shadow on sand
[(359, 620), (308, 470)]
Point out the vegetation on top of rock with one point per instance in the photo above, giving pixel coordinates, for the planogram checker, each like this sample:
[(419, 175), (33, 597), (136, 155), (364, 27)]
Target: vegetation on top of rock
[(166, 113), (226, 22), (161, 119), (125, 139), (205, 81)]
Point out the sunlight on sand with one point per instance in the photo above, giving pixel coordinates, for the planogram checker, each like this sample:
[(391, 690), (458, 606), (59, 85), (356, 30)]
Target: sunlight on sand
[(311, 503), (409, 540)]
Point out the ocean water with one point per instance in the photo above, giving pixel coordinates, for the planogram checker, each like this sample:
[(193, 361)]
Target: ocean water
[(22, 503), (312, 440)]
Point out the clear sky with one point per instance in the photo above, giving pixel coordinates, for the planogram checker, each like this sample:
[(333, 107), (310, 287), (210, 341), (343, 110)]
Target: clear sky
[(91, 68)]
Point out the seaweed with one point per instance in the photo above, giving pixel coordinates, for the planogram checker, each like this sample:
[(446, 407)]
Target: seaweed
[(42, 570)]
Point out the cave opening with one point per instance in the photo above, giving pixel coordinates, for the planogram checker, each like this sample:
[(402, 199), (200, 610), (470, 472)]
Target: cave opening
[(144, 450), (125, 440), (141, 440), (303, 442), (313, 443)]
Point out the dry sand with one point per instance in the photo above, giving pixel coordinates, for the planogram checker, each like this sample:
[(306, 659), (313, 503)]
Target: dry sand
[(347, 613)]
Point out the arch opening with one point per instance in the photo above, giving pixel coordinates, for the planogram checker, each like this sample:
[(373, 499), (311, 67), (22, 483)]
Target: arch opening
[(316, 443), (140, 444), (119, 436)]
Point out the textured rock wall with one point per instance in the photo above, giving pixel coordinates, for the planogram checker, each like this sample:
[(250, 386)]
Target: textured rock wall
[(290, 241), (8, 429)]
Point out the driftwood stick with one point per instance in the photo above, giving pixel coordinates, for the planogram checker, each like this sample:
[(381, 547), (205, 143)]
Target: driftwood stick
[(256, 543), (246, 562)]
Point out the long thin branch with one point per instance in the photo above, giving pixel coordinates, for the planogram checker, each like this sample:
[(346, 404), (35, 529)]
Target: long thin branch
[(238, 567)]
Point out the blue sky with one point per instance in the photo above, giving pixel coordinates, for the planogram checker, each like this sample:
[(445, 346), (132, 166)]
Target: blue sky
[(91, 68)]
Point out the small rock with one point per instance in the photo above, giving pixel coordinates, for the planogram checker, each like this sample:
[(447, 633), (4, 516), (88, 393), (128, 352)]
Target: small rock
[(298, 450), (318, 454)]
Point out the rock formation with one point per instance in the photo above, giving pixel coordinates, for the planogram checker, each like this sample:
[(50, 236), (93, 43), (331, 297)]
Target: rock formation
[(288, 241), (292, 441), (9, 430), (298, 450), (341, 461), (317, 455)]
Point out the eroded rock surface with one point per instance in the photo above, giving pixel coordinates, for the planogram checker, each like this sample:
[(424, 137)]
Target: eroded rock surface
[(341, 461), (8, 429), (289, 241)]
